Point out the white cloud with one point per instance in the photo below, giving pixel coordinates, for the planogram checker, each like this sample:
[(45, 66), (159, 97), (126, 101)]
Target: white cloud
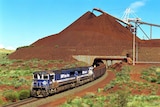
[(1, 46), (7, 47), (137, 4), (133, 8), (10, 48)]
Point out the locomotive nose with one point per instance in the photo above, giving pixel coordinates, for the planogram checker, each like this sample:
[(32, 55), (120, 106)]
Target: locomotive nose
[(44, 82)]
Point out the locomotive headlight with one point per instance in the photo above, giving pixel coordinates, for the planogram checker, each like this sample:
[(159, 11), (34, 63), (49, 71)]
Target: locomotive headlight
[(35, 82), (44, 82)]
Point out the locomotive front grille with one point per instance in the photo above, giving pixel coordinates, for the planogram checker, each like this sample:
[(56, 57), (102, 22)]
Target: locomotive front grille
[(38, 84)]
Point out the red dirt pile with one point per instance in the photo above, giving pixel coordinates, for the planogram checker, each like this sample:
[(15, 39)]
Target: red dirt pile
[(88, 35)]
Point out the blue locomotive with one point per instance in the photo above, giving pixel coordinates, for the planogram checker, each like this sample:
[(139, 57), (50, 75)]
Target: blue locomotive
[(49, 82), (53, 81)]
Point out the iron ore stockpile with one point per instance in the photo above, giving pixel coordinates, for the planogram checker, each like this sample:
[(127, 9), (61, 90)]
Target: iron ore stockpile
[(90, 35)]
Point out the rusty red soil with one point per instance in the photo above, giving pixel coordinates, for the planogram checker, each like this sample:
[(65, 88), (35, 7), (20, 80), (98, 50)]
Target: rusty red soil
[(93, 88), (136, 76), (89, 35)]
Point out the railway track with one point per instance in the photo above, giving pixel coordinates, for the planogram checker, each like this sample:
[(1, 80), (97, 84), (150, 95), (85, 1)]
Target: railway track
[(22, 102)]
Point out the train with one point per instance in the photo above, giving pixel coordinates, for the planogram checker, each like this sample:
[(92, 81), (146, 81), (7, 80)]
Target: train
[(49, 82)]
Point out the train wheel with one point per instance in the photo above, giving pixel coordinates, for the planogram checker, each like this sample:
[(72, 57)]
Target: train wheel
[(57, 90), (52, 91), (33, 93), (44, 93), (73, 85), (38, 92)]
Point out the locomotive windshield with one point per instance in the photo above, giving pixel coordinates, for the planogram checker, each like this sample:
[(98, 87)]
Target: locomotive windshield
[(35, 76), (41, 76), (45, 77), (51, 77)]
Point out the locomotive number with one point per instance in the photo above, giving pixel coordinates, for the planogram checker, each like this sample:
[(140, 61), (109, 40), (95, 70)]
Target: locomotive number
[(65, 75)]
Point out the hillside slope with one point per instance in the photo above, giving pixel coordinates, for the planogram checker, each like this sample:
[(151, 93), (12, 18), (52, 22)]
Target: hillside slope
[(88, 35)]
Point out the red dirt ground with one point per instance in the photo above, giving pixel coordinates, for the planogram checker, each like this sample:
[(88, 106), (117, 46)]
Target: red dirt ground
[(135, 75)]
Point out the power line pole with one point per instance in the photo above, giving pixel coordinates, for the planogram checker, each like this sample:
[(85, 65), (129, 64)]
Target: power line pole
[(134, 42)]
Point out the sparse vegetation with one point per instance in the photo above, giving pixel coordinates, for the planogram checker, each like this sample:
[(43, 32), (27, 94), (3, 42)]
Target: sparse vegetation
[(119, 99), (144, 101), (122, 78), (152, 75), (24, 47), (123, 96), (1, 101), (4, 61), (11, 95), (89, 100), (23, 94), (16, 75)]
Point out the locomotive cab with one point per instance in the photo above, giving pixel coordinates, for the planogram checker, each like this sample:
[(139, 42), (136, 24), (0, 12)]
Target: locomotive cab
[(41, 83)]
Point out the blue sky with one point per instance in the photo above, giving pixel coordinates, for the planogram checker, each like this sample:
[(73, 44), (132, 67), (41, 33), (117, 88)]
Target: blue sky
[(22, 22)]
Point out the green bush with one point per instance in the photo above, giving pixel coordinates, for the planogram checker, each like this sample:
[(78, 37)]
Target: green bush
[(23, 94), (108, 87), (151, 75), (144, 101), (89, 100), (153, 79), (11, 95), (122, 98), (158, 82), (89, 95), (1, 102), (17, 85)]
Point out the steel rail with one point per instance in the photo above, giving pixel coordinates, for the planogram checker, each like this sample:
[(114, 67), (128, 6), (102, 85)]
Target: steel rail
[(21, 102)]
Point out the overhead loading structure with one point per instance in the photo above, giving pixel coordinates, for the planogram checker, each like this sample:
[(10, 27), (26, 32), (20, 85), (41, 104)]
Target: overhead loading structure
[(132, 24), (137, 22)]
